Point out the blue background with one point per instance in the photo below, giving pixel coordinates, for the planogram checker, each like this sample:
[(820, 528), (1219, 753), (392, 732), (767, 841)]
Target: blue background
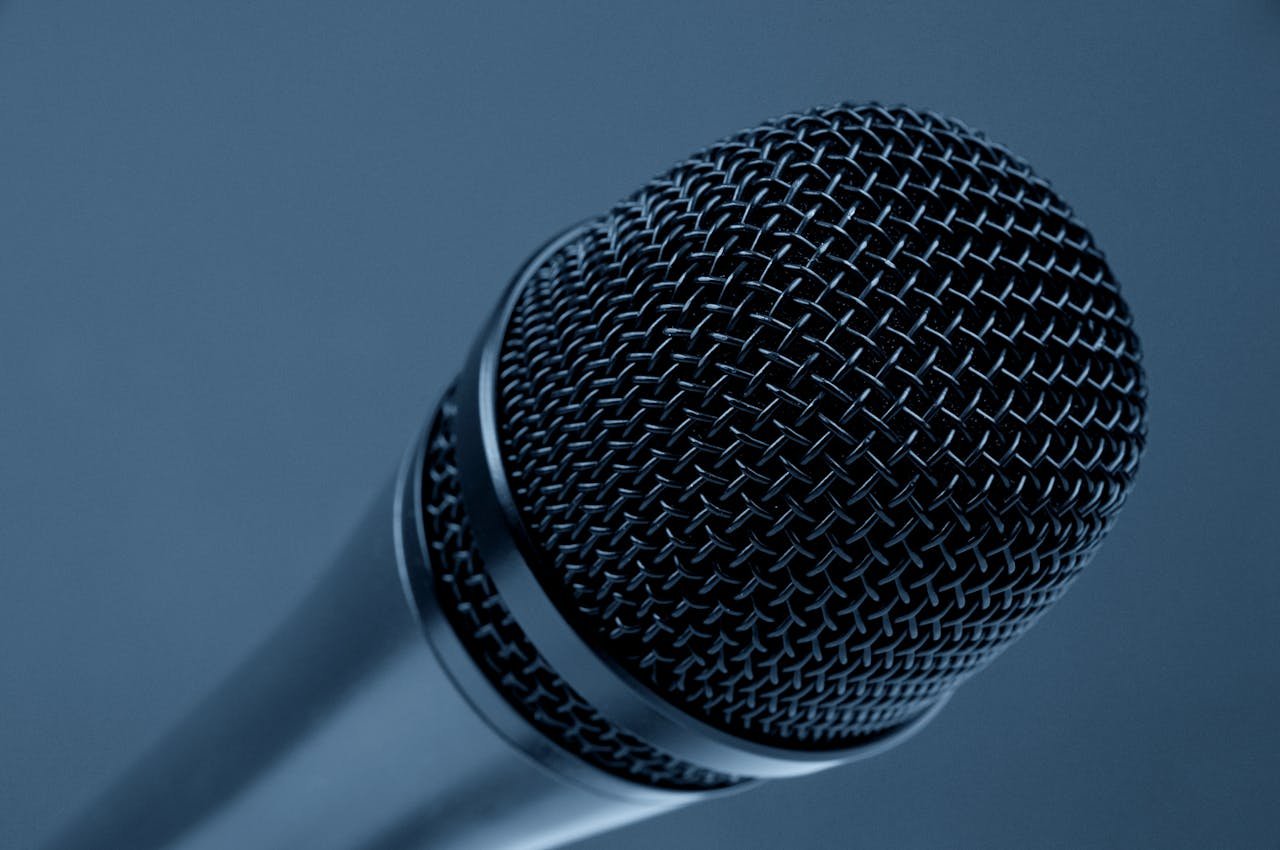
[(242, 247)]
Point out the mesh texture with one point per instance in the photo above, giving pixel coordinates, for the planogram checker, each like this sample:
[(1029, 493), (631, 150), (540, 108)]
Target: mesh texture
[(509, 660), (815, 424)]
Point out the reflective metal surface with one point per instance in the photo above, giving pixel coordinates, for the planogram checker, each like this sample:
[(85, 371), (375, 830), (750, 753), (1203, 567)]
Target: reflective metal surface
[(508, 553), (345, 731)]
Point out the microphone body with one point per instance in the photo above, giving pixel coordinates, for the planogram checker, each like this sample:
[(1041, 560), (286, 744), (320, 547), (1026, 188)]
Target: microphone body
[(365, 722), (741, 481), (346, 730)]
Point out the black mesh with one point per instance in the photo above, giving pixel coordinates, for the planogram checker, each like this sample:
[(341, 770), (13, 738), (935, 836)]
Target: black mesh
[(483, 623), (816, 423)]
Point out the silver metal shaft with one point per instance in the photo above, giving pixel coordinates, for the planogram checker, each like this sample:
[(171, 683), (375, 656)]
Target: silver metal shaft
[(345, 731)]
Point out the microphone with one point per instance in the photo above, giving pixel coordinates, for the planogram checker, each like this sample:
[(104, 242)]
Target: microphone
[(741, 482)]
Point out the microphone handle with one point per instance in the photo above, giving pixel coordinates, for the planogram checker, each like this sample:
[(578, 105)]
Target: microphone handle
[(345, 730)]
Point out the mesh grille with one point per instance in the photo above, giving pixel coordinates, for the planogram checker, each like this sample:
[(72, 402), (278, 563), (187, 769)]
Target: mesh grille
[(815, 424), (493, 639)]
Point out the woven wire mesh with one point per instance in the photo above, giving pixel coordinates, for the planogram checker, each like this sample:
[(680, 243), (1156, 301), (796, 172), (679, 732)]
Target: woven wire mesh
[(813, 425), (503, 651)]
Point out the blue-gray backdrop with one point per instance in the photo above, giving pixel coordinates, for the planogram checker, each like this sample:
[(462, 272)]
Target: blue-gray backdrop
[(242, 246)]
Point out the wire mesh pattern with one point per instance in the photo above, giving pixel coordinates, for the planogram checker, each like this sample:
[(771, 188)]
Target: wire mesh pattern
[(814, 425), (476, 611)]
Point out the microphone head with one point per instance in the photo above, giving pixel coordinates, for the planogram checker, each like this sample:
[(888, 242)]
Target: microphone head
[(812, 426)]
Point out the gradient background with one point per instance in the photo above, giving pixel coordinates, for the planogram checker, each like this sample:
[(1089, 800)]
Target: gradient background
[(243, 245)]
